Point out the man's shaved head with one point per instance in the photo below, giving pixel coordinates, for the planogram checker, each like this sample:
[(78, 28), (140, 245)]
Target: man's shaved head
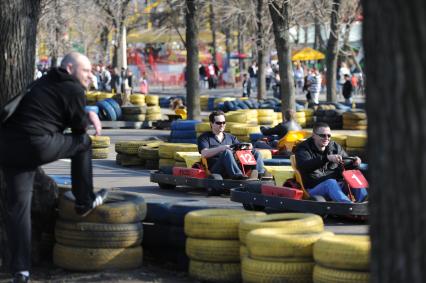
[(78, 65)]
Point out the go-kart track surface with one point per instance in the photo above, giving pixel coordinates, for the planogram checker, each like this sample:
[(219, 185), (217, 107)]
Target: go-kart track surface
[(133, 179)]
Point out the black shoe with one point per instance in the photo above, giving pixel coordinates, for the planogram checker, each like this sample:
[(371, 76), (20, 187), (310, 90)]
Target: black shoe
[(20, 278), (239, 177), (84, 210)]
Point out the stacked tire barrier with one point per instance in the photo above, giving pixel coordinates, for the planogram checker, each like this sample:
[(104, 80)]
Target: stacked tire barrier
[(300, 118), (340, 139), (164, 236), (342, 258), (266, 117), (167, 150), (202, 128), (356, 145), (309, 117), (204, 102), (153, 113), (243, 131), (137, 99), (186, 159), (134, 113), (183, 131), (355, 120), (149, 155), (152, 100), (109, 110), (279, 253), (100, 147), (212, 243), (128, 152), (91, 98), (332, 117), (109, 238)]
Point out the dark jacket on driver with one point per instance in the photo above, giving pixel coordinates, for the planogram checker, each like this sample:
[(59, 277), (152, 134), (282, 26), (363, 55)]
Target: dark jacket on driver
[(314, 165)]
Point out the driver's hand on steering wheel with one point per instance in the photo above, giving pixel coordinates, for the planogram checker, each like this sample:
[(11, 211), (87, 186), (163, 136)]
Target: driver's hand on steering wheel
[(335, 158), (357, 161)]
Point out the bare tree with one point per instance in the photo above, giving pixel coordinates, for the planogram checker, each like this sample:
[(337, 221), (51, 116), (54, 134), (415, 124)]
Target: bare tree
[(191, 72), (332, 50)]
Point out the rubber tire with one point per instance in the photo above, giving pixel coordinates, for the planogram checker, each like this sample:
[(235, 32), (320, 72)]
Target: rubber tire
[(116, 107), (119, 208), (106, 111), (85, 259), (215, 272), (343, 252), (328, 275), (100, 141), (100, 153), (216, 223), (213, 250), (295, 223), (275, 243), (98, 235), (254, 271), (165, 186), (253, 207), (180, 209)]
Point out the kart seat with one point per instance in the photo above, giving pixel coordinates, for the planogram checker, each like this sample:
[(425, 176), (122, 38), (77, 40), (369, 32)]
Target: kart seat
[(298, 176)]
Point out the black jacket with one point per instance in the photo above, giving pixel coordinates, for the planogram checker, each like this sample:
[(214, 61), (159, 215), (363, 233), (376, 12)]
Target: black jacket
[(314, 165), (281, 129), (56, 101)]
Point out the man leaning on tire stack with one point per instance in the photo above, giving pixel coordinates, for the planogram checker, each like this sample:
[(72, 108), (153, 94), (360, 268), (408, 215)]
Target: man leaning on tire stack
[(33, 136)]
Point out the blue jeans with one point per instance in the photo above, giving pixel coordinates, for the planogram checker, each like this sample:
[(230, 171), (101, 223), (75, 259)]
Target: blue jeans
[(226, 165), (332, 189)]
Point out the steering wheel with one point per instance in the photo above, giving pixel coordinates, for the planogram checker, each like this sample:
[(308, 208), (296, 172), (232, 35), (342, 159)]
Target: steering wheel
[(348, 160), (240, 146)]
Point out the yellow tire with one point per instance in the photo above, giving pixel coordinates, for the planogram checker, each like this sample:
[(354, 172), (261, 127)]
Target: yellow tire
[(355, 115), (300, 115), (216, 223), (213, 250), (255, 271), (265, 112), (243, 251), (244, 130), (328, 275), (104, 95), (166, 162), (133, 110), (133, 117), (340, 139), (294, 223), (167, 150), (356, 140), (148, 152), (236, 117), (128, 160), (153, 110), (265, 153), (132, 147), (153, 117), (139, 98), (202, 127), (215, 272), (350, 252), (100, 141), (100, 153), (152, 100), (87, 259), (276, 243)]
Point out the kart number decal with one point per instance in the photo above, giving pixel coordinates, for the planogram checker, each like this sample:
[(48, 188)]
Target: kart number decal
[(356, 179)]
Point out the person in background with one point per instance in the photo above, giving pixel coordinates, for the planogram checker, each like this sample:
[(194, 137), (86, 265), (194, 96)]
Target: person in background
[(315, 85), (246, 86), (105, 79), (116, 81), (347, 89)]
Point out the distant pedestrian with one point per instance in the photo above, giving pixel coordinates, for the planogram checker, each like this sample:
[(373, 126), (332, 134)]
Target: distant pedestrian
[(347, 89), (246, 86), (315, 85)]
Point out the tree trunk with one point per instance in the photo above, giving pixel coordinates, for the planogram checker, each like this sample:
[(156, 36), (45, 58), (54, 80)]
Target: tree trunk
[(228, 46), (18, 29), (319, 42), (261, 62), (395, 72), (104, 44), (332, 50), (213, 29), (192, 86), (240, 44), (282, 41)]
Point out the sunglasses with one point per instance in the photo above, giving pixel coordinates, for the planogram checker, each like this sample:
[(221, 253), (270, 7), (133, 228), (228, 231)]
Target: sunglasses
[(220, 123), (323, 136)]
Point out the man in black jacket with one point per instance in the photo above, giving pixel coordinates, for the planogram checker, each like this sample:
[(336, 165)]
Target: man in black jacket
[(33, 136), (318, 160)]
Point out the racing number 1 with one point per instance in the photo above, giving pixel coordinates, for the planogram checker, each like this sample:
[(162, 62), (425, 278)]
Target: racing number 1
[(356, 179)]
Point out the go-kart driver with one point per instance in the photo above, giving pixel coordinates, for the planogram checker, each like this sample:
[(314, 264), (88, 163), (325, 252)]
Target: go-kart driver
[(318, 159), (215, 147)]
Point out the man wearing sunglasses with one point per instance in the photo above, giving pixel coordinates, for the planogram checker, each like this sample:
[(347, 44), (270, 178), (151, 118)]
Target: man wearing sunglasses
[(318, 160), (215, 146)]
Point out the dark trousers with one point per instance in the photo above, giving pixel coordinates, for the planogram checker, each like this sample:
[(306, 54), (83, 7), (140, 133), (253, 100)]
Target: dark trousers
[(20, 155), (227, 166)]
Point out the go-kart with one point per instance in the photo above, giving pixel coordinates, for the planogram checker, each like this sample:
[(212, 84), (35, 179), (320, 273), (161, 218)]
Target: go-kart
[(296, 198), (199, 176)]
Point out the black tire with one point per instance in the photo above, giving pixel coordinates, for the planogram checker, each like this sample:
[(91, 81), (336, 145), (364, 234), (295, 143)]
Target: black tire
[(166, 170), (158, 211), (164, 186), (155, 235), (215, 177)]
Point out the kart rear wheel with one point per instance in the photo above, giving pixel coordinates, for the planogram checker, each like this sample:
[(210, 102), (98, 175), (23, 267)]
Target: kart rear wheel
[(166, 186), (253, 207)]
